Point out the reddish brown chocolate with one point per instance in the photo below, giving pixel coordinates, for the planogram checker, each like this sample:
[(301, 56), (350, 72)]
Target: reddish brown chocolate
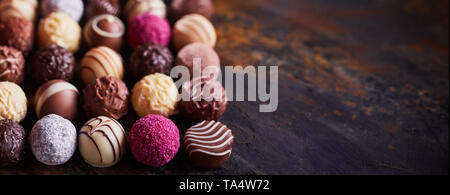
[(208, 144), (180, 8), (12, 143), (198, 104), (106, 96), (210, 61), (17, 33), (52, 63), (104, 30), (11, 65), (98, 7), (56, 97), (149, 59)]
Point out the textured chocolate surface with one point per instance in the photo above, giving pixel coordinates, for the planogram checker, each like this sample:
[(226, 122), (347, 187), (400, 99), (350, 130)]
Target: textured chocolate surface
[(202, 105), (106, 96), (180, 8), (53, 62), (18, 33), (12, 65), (12, 143), (149, 59), (104, 30), (98, 7), (206, 54), (208, 144)]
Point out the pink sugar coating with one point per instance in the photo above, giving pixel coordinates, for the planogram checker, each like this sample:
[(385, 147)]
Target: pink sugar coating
[(154, 140), (148, 28)]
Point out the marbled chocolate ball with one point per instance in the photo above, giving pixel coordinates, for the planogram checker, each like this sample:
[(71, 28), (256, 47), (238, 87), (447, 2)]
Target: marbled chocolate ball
[(17, 33), (56, 97), (99, 7), (12, 143), (104, 30), (12, 65), (149, 59), (52, 63)]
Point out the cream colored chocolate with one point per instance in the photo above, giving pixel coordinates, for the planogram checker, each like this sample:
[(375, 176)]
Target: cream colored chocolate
[(27, 9), (13, 102), (100, 62), (56, 97), (60, 29), (136, 7), (155, 94), (193, 28), (102, 142)]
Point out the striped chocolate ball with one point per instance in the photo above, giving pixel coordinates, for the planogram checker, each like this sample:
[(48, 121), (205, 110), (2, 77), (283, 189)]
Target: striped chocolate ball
[(193, 28), (102, 142), (56, 97), (104, 30), (100, 62)]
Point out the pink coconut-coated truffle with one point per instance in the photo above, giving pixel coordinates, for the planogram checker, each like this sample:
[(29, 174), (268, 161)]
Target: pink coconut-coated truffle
[(148, 28), (154, 140)]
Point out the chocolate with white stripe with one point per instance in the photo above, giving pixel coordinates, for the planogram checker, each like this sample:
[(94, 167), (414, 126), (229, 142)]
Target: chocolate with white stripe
[(208, 144)]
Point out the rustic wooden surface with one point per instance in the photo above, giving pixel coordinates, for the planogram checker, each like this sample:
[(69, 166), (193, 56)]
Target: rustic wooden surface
[(364, 89)]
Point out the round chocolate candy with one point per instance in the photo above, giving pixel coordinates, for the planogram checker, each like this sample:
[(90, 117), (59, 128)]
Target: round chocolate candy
[(19, 8), (210, 62), (102, 142), (180, 8), (12, 143), (104, 30), (52, 63), (136, 7), (106, 96), (13, 102), (99, 7), (149, 59), (59, 28), (18, 33), (193, 28), (208, 144), (12, 65), (99, 62), (148, 28), (203, 99), (56, 97), (74, 8)]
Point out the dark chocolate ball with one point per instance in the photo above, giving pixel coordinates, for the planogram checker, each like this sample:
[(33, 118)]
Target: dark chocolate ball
[(203, 99), (52, 63), (149, 59), (11, 65), (106, 96), (17, 33), (180, 8), (98, 7), (12, 143)]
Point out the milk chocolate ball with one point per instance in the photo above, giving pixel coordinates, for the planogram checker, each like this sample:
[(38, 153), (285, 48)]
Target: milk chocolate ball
[(104, 30), (180, 8), (17, 33), (12, 65), (99, 7)]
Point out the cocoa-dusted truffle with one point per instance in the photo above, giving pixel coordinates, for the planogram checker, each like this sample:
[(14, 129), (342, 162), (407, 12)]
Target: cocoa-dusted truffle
[(149, 59), (51, 63), (104, 30), (12, 143), (99, 7), (203, 99), (106, 96), (210, 62), (18, 33), (11, 65), (180, 8)]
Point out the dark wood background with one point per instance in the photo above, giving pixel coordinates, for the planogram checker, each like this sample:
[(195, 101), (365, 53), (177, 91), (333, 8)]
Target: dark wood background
[(364, 89)]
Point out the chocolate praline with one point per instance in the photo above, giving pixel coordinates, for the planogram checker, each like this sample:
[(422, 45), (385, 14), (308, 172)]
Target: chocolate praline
[(210, 61), (56, 97), (52, 63), (98, 7), (12, 65), (149, 59), (18, 33), (106, 96), (180, 8), (104, 30), (198, 104), (12, 143)]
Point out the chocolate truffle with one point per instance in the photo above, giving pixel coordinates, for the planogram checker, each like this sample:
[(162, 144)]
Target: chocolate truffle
[(210, 62), (136, 7), (208, 144), (60, 29), (148, 28), (99, 7), (52, 63), (102, 142), (155, 94), (100, 62), (154, 140), (203, 99), (74, 8), (180, 8), (193, 28), (12, 65), (13, 102), (149, 59), (18, 33), (19, 8), (106, 96), (53, 140), (56, 97), (104, 30), (12, 143)]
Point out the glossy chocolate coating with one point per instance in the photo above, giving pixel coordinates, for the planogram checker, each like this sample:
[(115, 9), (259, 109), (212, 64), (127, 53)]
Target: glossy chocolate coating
[(104, 30), (106, 96), (12, 143), (12, 65), (98, 7), (52, 63), (149, 59), (180, 8), (57, 97)]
